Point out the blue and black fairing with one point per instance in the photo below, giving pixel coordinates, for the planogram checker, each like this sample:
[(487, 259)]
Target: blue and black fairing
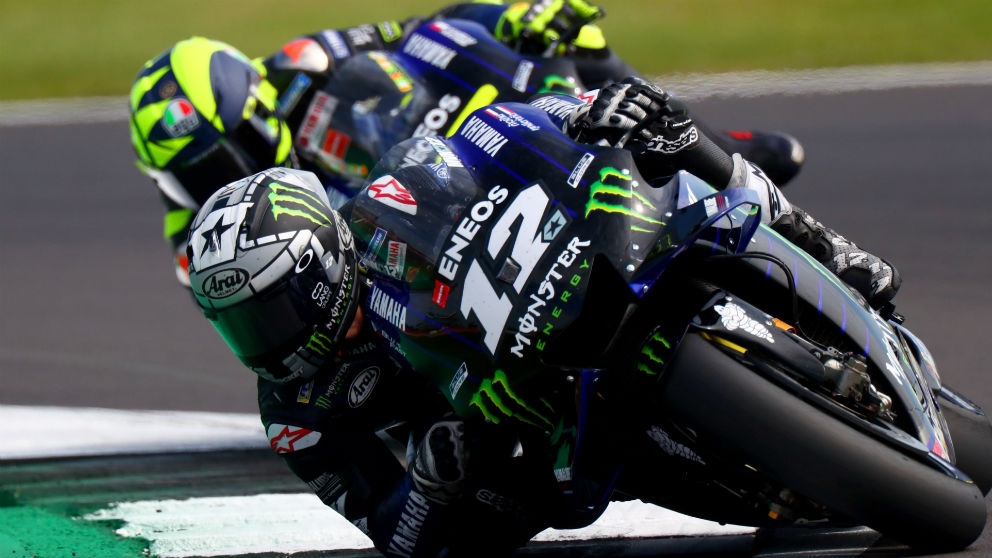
[(844, 319), (587, 208), (460, 56)]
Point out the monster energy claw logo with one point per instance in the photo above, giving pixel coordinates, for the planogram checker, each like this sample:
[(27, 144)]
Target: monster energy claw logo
[(496, 400), (319, 343), (297, 202), (618, 196)]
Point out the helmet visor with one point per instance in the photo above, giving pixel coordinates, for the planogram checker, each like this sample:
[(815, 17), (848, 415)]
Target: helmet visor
[(223, 164), (251, 147), (280, 320)]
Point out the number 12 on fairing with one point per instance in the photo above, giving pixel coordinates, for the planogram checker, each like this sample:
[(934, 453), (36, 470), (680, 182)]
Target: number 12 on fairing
[(479, 295)]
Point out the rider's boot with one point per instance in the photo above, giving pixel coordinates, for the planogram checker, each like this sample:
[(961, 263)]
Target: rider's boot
[(876, 279), (870, 275)]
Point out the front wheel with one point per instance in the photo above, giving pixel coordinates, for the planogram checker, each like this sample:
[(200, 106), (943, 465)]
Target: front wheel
[(742, 416)]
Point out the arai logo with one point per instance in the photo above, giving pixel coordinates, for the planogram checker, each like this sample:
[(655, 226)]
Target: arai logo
[(362, 386), (225, 283), (180, 118)]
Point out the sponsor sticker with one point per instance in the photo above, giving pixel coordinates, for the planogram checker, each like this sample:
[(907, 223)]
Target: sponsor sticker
[(735, 317), (431, 52), (510, 118), (317, 119), (335, 144), (339, 48), (369, 256), (458, 380), (386, 306), (441, 292), (362, 386), (453, 34), (447, 155), (293, 93), (522, 76), (399, 77), (180, 118), (466, 231), (396, 259), (555, 224), (287, 439), (483, 136), (665, 145), (580, 170), (388, 191), (361, 35), (390, 31), (555, 106), (589, 96), (440, 170), (306, 390), (225, 283)]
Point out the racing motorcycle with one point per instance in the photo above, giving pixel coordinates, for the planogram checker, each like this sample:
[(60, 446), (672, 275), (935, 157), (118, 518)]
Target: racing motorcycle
[(446, 69), (655, 341)]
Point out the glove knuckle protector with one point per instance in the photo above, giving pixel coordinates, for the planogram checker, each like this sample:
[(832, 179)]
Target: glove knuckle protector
[(440, 463)]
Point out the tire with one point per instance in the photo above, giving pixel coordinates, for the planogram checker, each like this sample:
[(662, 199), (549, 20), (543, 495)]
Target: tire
[(971, 434), (732, 408)]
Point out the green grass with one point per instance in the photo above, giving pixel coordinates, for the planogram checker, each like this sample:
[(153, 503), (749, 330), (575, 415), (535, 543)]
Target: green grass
[(60, 48)]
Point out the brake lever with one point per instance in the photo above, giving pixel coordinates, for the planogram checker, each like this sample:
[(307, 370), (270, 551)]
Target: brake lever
[(644, 123)]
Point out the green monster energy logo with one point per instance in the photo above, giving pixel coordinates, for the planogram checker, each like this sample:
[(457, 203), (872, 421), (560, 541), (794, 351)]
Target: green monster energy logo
[(497, 401), (600, 194), (297, 202), (649, 362), (323, 402), (557, 84), (319, 343)]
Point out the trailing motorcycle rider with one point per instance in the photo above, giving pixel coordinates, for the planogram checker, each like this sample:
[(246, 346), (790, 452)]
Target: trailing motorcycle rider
[(203, 114)]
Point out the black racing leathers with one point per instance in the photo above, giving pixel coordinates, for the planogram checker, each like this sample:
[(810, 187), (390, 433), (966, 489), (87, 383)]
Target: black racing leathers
[(328, 430), (347, 431)]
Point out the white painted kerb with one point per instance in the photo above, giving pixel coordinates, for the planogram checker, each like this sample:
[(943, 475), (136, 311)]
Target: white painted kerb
[(32, 432), (288, 523)]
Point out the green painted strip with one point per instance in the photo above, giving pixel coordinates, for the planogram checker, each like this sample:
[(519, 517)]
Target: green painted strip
[(35, 533)]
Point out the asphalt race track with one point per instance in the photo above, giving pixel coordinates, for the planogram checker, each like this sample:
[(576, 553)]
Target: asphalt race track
[(92, 315)]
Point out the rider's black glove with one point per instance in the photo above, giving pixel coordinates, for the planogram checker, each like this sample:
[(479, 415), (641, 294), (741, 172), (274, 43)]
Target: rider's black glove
[(439, 465), (657, 129)]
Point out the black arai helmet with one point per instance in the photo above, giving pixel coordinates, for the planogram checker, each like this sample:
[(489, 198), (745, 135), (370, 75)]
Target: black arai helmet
[(273, 268)]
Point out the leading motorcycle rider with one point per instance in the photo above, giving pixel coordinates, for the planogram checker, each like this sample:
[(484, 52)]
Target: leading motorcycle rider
[(203, 114), (274, 268)]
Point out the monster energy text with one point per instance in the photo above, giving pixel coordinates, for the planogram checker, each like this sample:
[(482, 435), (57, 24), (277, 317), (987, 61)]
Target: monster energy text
[(527, 323)]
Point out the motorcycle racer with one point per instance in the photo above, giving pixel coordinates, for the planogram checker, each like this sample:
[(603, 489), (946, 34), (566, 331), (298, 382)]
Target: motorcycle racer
[(274, 268), (203, 114)]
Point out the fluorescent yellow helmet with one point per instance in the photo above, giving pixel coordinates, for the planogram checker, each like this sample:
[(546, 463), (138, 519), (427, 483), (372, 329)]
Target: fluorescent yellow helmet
[(203, 115)]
